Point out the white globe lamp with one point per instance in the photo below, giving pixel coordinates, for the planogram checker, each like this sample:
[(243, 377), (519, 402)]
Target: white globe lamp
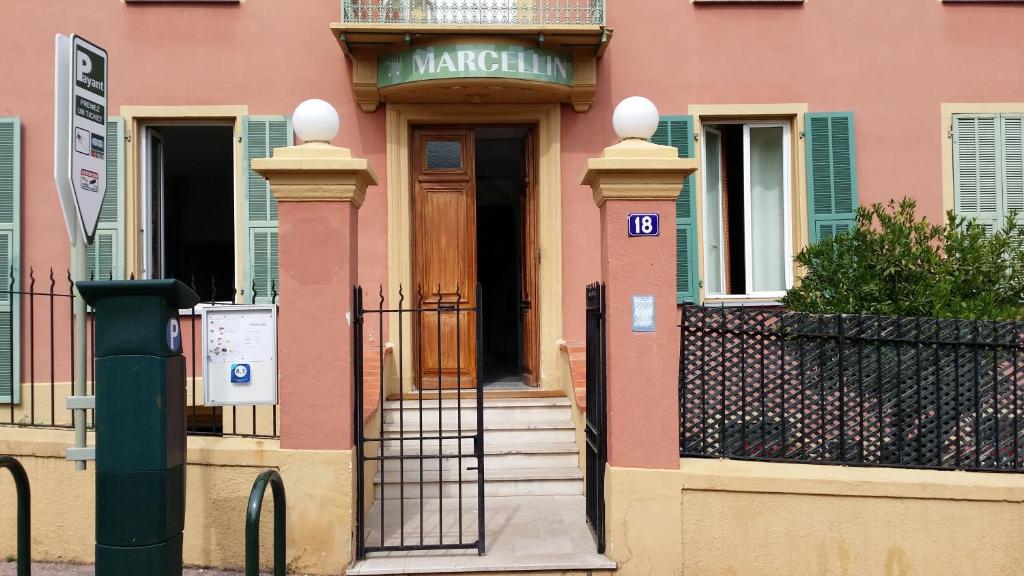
[(636, 117), (315, 121)]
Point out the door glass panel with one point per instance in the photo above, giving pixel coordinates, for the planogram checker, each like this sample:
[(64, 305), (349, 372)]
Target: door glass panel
[(444, 155), (713, 204), (767, 209)]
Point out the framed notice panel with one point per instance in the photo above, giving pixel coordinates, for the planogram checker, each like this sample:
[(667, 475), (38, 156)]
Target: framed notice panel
[(240, 355)]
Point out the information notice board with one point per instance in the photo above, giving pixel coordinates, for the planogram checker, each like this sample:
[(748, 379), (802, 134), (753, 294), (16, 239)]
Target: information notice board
[(240, 355)]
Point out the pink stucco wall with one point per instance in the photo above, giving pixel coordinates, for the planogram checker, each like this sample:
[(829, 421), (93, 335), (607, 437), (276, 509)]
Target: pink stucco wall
[(890, 61)]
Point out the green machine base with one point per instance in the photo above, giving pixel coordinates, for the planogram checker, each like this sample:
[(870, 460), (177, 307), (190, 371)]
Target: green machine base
[(163, 559)]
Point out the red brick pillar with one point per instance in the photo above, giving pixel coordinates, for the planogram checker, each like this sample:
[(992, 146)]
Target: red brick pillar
[(635, 177), (319, 189)]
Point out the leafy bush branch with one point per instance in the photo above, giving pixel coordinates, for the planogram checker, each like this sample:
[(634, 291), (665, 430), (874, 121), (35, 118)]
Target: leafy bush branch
[(893, 263)]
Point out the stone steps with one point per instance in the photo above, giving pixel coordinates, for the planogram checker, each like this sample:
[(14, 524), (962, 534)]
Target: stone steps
[(529, 449), (497, 457)]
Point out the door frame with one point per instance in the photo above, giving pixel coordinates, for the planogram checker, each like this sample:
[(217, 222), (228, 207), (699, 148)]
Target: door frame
[(547, 121)]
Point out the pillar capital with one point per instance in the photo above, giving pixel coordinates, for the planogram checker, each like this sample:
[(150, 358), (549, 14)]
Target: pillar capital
[(637, 170), (316, 172)]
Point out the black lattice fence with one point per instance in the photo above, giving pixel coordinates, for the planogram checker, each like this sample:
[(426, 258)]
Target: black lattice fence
[(769, 384)]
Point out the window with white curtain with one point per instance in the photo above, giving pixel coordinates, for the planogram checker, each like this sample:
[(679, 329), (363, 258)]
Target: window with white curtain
[(747, 201)]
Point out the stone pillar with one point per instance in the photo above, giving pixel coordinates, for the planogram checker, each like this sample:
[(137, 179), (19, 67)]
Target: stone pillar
[(319, 189), (636, 176)]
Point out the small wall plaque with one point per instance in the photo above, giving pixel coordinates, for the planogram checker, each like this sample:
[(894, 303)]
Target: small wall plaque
[(643, 313)]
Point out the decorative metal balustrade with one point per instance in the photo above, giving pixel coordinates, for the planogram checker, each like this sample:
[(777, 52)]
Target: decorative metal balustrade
[(769, 384), (479, 12)]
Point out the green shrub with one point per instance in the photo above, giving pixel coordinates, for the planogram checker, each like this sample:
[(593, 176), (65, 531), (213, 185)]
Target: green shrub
[(892, 263)]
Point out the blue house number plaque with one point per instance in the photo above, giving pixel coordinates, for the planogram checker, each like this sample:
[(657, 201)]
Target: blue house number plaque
[(644, 224)]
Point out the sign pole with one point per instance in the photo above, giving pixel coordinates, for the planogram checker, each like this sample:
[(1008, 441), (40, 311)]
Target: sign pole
[(79, 274), (80, 149)]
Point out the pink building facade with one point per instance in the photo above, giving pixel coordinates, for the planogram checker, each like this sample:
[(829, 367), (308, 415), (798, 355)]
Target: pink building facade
[(478, 129)]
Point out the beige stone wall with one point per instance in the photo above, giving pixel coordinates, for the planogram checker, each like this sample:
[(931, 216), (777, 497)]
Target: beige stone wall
[(318, 486), (719, 517)]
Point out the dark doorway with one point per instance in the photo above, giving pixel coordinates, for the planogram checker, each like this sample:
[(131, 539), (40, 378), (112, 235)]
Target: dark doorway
[(194, 228), (500, 188)]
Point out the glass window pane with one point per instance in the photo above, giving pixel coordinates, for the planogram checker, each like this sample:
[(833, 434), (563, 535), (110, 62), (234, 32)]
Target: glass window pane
[(444, 155), (767, 209), (713, 211)]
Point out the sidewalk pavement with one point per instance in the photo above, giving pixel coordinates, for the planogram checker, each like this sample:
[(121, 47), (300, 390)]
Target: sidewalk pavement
[(46, 569)]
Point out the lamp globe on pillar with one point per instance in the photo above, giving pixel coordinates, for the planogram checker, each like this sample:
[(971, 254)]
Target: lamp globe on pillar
[(636, 118), (315, 121)]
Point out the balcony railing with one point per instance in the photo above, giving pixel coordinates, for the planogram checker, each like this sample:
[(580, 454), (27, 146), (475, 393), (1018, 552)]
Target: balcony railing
[(478, 12)]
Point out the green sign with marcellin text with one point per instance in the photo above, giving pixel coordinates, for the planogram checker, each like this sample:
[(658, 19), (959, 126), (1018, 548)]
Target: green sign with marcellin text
[(475, 61)]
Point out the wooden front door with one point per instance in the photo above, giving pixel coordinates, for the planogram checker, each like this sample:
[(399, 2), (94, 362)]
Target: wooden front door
[(444, 255), (529, 300)]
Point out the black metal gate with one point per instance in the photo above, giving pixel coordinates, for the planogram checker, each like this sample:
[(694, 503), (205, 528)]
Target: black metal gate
[(418, 504), (597, 433)]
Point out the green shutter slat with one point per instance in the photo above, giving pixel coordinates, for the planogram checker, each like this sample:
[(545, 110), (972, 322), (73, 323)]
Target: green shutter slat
[(6, 345), (108, 210), (272, 257), (103, 257), (261, 260), (6, 257), (8, 170), (263, 247), (976, 168), (831, 173), (1013, 164), (677, 131), (278, 136), (262, 135), (10, 254), (256, 147)]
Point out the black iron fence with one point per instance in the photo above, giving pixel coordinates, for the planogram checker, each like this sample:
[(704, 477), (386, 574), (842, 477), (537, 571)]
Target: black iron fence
[(37, 368), (597, 416), (769, 384), (426, 455)]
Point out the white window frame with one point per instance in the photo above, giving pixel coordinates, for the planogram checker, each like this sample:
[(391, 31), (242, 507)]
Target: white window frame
[(146, 199), (145, 191), (787, 159)]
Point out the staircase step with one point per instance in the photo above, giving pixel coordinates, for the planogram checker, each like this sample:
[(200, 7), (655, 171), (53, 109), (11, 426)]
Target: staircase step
[(519, 482), (495, 433), (503, 456), (511, 411), (488, 403)]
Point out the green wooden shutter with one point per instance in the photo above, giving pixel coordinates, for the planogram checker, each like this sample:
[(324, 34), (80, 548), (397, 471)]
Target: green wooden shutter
[(104, 258), (1013, 165), (677, 131), (10, 253), (976, 168), (261, 134), (831, 173)]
